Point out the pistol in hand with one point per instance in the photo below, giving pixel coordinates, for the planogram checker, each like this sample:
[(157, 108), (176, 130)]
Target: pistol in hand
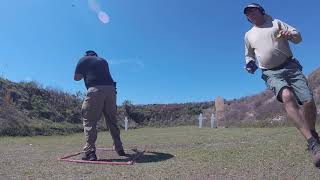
[(251, 67)]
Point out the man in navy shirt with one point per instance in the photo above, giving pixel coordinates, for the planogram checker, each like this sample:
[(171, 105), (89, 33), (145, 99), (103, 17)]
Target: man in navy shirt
[(100, 99)]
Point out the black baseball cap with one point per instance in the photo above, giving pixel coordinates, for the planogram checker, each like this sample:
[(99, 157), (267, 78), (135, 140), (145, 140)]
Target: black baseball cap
[(91, 53), (253, 5)]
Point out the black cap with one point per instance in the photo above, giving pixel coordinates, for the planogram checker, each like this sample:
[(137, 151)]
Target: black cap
[(253, 5), (91, 53)]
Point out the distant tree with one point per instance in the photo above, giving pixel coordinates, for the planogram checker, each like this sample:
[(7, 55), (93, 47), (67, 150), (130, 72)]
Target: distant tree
[(128, 107)]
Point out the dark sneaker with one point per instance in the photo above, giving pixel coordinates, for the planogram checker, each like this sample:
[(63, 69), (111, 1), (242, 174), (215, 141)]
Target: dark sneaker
[(90, 157), (121, 152), (316, 137), (308, 146), (315, 151)]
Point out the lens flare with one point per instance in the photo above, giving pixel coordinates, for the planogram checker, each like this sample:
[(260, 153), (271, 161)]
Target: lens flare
[(95, 7), (103, 17)]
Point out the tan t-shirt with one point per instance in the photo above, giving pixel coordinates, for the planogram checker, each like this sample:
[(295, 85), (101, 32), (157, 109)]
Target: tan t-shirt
[(262, 45)]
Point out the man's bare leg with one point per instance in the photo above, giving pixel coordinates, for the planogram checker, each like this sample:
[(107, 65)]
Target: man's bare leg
[(294, 113), (309, 112)]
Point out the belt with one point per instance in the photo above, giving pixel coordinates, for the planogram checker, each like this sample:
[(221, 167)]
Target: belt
[(281, 66)]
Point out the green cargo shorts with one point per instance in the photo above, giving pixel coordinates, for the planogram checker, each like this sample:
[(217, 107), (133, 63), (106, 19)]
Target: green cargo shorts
[(290, 76)]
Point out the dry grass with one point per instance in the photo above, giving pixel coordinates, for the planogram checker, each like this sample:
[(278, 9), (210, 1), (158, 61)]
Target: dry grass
[(174, 153)]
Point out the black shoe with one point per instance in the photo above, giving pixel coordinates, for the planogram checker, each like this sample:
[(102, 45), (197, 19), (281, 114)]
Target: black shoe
[(315, 152), (121, 152), (316, 136), (90, 156)]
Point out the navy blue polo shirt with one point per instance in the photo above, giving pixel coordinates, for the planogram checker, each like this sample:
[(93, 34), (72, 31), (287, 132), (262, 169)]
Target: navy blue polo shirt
[(95, 71)]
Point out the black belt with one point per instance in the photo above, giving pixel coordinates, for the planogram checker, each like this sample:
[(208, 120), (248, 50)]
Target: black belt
[(281, 66)]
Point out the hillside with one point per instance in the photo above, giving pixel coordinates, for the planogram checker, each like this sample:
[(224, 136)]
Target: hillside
[(29, 109), (261, 110), (26, 108)]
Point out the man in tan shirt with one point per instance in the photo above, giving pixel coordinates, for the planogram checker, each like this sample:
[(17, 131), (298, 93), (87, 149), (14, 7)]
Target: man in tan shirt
[(267, 44)]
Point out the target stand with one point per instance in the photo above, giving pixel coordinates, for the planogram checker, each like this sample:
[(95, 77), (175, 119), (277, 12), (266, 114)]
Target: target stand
[(106, 156)]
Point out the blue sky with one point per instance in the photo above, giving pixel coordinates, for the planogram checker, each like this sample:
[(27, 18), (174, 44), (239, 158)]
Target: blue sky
[(159, 51)]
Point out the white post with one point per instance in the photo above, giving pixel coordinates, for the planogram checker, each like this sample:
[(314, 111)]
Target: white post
[(200, 120), (126, 123), (212, 121)]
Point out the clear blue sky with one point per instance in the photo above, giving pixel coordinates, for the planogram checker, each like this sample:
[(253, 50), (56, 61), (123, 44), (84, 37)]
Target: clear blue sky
[(159, 51)]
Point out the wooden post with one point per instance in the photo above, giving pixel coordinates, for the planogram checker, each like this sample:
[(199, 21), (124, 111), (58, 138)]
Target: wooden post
[(219, 104)]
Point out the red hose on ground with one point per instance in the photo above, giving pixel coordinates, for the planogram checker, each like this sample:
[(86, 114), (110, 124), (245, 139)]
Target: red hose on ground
[(66, 158)]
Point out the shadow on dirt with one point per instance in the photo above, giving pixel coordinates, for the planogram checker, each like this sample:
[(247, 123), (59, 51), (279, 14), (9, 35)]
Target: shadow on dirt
[(146, 157), (149, 157)]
